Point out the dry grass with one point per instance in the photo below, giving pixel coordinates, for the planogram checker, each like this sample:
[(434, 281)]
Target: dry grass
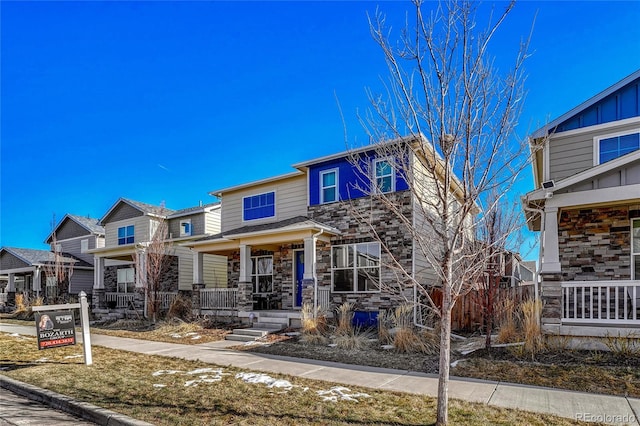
[(170, 331), (355, 339), (623, 346), (508, 332), (314, 325), (533, 340), (125, 382), (345, 318), (385, 324), (406, 338)]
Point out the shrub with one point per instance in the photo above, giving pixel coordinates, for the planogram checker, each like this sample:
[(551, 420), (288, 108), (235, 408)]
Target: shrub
[(533, 341), (345, 318), (354, 339), (314, 325), (182, 308), (623, 347)]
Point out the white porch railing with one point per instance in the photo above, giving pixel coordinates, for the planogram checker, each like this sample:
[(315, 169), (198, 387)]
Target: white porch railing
[(122, 299), (324, 298), (601, 302), (166, 298), (218, 298)]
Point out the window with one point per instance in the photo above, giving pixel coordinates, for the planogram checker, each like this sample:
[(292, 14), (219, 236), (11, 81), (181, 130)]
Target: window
[(635, 248), (84, 245), (126, 280), (259, 206), (185, 227), (384, 176), (610, 148), (125, 235), (356, 267), (328, 186), (262, 274)]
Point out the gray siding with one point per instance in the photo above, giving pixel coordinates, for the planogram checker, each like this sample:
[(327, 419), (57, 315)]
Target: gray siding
[(197, 225), (629, 175), (9, 261), (122, 212), (291, 201), (70, 229), (572, 152), (74, 247), (81, 280)]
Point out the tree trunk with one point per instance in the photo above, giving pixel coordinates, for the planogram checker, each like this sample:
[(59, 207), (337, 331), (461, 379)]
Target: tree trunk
[(445, 357)]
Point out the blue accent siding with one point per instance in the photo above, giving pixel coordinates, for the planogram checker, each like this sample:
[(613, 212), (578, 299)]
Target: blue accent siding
[(621, 104), (348, 179)]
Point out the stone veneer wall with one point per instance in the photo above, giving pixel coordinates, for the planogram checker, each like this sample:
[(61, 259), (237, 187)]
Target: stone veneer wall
[(347, 217), (594, 244)]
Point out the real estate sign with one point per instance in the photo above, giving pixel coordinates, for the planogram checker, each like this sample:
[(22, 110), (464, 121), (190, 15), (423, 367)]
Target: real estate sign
[(55, 328)]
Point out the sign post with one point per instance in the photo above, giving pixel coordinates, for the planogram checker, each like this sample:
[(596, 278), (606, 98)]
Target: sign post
[(57, 326)]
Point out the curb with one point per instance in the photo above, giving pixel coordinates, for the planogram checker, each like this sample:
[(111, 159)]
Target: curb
[(86, 411)]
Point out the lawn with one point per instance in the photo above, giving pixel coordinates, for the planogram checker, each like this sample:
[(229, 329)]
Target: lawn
[(170, 391)]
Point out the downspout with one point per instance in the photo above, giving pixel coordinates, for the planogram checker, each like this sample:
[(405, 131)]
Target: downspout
[(315, 276)]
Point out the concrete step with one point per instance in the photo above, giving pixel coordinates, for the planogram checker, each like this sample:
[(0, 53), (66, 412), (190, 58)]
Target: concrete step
[(250, 332), (239, 337), (276, 326), (281, 321)]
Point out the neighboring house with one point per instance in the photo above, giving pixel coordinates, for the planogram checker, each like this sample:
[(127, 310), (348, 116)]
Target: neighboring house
[(587, 206), (129, 227), (31, 272), (300, 237)]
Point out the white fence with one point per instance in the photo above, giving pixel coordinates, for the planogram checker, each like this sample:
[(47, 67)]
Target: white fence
[(218, 298), (324, 298), (121, 300), (601, 302)]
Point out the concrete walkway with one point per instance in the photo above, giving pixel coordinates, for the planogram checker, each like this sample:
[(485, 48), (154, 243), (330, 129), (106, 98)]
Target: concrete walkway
[(574, 405)]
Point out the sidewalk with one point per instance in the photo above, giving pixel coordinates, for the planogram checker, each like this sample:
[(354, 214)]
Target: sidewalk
[(573, 405)]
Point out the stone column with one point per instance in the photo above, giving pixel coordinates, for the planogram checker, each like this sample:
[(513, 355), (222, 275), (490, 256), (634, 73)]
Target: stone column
[(195, 296), (551, 297), (98, 297), (37, 281), (245, 285)]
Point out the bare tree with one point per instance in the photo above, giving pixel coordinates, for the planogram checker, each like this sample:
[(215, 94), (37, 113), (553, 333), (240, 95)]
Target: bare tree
[(152, 263), (451, 116), (58, 269)]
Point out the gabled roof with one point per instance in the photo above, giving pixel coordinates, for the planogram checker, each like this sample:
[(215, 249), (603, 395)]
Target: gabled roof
[(34, 257), (88, 223), (543, 131), (195, 210), (144, 208)]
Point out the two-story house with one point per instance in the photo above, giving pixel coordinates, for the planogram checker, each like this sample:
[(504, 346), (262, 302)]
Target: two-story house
[(318, 236), (129, 227), (32, 272), (586, 204)]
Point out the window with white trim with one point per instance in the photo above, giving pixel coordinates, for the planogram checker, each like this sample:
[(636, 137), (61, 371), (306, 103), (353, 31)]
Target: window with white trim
[(185, 227), (383, 170), (262, 274), (126, 235), (126, 280), (328, 186), (259, 206), (635, 248), (355, 268), (611, 147)]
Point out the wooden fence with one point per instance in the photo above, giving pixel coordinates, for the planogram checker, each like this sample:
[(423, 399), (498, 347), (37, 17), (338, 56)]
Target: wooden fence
[(467, 313)]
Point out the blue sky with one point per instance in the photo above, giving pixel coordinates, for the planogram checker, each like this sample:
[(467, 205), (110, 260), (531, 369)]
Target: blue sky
[(167, 101)]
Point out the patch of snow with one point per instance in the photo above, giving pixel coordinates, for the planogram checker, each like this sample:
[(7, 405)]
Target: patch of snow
[(264, 379), (196, 337), (161, 372), (387, 347), (176, 336), (42, 360), (455, 363), (340, 393), (72, 356), (332, 345), (205, 370), (14, 335), (190, 334), (159, 385)]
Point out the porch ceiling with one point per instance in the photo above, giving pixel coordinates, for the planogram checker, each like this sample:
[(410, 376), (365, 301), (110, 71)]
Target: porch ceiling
[(269, 240), (116, 253)]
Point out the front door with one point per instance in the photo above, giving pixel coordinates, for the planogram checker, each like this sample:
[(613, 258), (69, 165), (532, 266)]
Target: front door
[(299, 275)]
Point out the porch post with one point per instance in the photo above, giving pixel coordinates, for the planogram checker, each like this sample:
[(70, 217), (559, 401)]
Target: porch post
[(309, 284), (245, 287), (550, 254), (141, 269), (36, 284), (98, 295), (11, 289), (198, 268)]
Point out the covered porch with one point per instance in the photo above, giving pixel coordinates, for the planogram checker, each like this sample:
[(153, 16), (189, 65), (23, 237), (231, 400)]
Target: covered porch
[(271, 267)]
